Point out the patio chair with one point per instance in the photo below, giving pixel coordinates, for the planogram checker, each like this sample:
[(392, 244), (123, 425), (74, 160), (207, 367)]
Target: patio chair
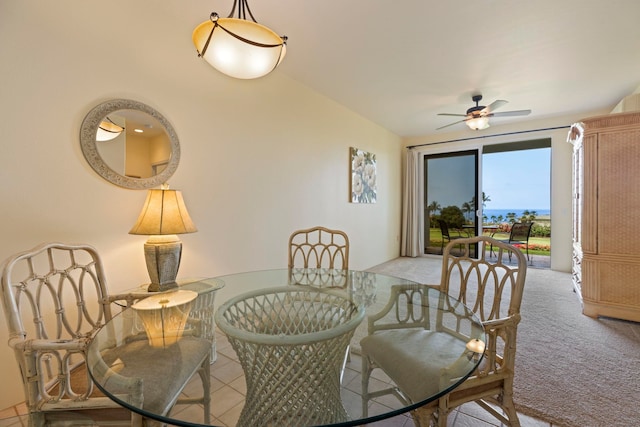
[(520, 232), (444, 230), (493, 291)]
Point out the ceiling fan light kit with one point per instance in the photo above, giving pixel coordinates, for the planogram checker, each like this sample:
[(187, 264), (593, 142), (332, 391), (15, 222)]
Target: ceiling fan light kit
[(477, 118), (237, 46), (478, 123)]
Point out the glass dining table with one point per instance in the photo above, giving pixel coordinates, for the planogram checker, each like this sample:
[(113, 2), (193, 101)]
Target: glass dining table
[(296, 334)]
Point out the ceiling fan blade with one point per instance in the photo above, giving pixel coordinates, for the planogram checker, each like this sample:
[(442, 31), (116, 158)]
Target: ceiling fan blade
[(493, 106), (451, 114), (451, 124), (510, 113)]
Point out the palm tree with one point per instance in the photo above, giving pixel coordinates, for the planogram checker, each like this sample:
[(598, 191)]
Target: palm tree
[(467, 207), (528, 216), (434, 207), (485, 199)]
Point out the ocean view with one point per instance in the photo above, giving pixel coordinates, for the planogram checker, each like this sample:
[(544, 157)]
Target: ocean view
[(497, 212)]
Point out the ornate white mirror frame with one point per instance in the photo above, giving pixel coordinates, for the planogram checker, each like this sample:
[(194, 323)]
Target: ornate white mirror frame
[(89, 144)]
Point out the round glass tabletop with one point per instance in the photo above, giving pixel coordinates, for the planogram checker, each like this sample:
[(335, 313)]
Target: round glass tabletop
[(299, 347)]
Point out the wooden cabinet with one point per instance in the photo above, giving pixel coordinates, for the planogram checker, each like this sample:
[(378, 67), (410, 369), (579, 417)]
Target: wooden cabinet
[(606, 215)]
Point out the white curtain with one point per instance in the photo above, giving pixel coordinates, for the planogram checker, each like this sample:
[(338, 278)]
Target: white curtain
[(412, 241)]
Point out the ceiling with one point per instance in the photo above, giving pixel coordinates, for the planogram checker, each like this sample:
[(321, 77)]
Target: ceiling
[(401, 62)]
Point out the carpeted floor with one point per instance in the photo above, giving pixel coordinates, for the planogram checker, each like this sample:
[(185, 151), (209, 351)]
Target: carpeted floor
[(571, 370)]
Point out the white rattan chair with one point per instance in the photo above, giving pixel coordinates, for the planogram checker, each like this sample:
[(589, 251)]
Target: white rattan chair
[(55, 299), (493, 291), (291, 343)]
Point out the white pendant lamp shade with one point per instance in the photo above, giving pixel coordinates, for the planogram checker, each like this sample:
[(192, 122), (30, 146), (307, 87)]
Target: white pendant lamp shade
[(108, 130), (238, 47), (478, 123)]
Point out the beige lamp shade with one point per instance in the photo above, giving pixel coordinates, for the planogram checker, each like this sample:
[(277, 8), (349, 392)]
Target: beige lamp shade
[(164, 212), (238, 47), (164, 316)]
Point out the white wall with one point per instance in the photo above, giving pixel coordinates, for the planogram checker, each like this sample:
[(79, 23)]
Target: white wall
[(259, 158)]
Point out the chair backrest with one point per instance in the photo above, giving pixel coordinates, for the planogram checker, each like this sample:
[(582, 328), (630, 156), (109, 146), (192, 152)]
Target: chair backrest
[(520, 232), (486, 284), (489, 287), (52, 294), (319, 247)]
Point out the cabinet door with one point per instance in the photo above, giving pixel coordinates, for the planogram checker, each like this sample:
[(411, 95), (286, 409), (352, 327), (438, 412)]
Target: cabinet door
[(618, 195)]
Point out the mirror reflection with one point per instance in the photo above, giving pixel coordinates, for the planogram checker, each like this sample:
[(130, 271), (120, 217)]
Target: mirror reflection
[(130, 144), (133, 144)]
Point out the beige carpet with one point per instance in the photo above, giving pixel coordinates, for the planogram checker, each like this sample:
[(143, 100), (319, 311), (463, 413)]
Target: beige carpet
[(571, 370)]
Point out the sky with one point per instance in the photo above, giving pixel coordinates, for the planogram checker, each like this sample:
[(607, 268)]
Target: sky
[(517, 179), (514, 180)]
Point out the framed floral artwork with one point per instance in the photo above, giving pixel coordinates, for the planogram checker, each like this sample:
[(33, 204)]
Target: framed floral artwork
[(363, 176)]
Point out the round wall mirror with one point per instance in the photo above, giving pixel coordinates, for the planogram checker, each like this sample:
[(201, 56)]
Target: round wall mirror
[(130, 144)]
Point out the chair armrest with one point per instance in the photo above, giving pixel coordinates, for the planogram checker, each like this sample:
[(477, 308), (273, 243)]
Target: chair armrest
[(504, 328), (78, 344), (128, 389), (129, 298), (502, 322)]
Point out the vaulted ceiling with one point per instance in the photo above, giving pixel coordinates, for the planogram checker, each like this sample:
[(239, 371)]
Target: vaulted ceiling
[(401, 62)]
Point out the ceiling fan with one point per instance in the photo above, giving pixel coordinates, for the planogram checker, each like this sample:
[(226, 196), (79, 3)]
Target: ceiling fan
[(477, 118)]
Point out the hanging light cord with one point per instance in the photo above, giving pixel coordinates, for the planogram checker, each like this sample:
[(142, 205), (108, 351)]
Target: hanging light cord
[(242, 10)]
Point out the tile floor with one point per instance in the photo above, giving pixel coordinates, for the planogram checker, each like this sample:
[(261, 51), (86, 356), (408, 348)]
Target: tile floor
[(228, 387)]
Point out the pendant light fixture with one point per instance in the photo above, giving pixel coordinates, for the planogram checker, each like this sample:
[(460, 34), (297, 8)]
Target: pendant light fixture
[(239, 47), (108, 130)]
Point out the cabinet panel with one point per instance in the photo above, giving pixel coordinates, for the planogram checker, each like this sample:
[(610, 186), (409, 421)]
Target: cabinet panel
[(589, 194), (618, 283), (618, 195)]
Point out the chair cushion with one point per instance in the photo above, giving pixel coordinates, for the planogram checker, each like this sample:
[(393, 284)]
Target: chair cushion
[(414, 358), (164, 372)]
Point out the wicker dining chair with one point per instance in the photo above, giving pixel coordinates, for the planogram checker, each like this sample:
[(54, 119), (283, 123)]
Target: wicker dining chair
[(491, 289), (319, 247), (319, 256), (55, 299)]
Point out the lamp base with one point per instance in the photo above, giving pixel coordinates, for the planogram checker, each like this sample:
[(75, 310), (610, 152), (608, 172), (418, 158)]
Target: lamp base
[(162, 254)]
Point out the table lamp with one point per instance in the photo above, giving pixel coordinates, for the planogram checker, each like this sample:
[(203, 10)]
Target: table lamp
[(164, 316), (163, 216)]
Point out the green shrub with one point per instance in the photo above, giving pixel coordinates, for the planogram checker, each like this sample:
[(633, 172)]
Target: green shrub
[(541, 230)]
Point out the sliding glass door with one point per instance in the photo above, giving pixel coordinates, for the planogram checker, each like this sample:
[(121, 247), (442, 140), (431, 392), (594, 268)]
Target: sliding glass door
[(450, 197)]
